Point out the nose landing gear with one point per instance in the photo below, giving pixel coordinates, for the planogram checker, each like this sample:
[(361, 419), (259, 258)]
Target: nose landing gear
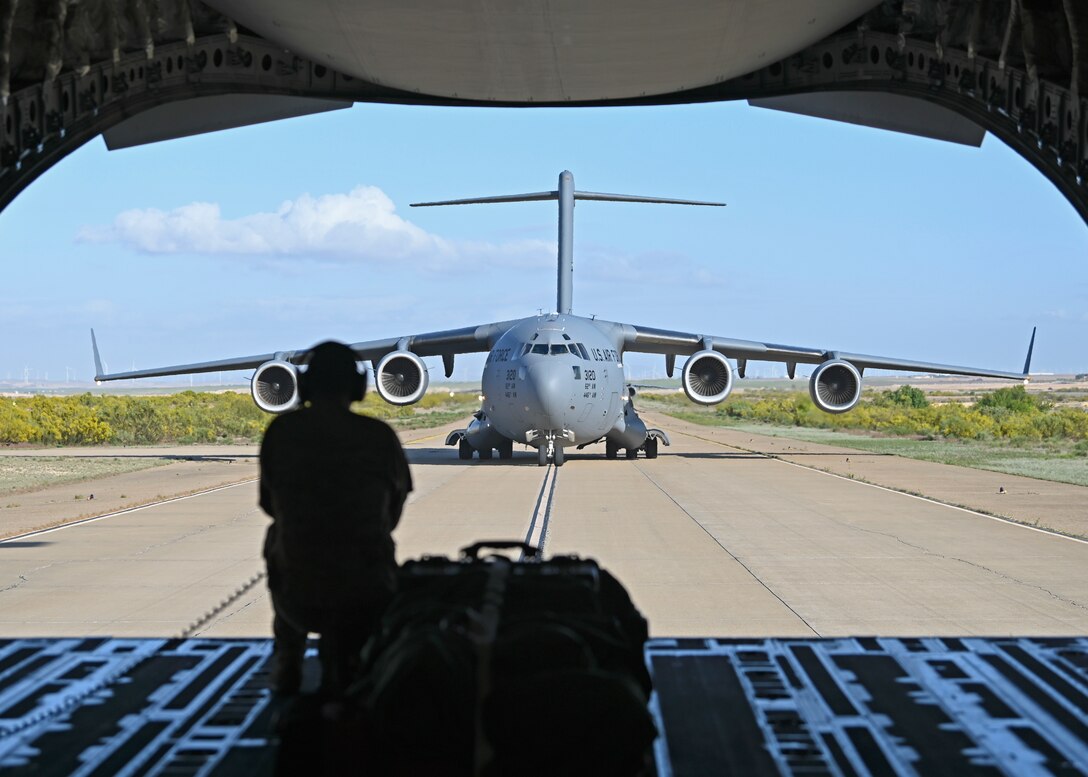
[(549, 450)]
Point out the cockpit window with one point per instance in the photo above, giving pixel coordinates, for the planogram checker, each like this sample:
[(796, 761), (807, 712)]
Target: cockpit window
[(558, 348), (540, 348), (525, 350), (585, 353)]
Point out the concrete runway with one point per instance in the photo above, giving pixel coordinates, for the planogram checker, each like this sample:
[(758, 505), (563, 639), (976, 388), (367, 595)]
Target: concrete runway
[(710, 539)]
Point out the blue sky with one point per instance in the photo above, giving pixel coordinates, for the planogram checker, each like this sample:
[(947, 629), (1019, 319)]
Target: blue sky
[(280, 235)]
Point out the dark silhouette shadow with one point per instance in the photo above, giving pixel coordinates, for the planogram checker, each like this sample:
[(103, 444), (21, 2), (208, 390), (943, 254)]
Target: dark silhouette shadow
[(334, 483), (23, 544)]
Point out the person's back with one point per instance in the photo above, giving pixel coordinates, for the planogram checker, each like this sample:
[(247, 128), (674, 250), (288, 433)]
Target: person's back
[(334, 483)]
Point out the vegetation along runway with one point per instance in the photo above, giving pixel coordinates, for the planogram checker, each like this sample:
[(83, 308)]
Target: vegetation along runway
[(724, 534)]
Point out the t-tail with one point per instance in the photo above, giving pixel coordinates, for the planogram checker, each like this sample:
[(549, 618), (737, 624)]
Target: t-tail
[(566, 194)]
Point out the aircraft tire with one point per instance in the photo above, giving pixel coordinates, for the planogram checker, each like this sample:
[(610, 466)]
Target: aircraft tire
[(650, 446), (558, 457), (485, 454), (506, 450), (542, 455), (632, 453), (464, 450), (611, 450)]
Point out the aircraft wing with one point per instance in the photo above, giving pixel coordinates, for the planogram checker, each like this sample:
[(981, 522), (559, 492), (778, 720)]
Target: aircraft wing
[(446, 343), (671, 344)]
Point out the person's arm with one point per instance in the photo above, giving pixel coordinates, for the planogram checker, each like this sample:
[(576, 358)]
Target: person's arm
[(266, 497), (402, 481), (267, 452)]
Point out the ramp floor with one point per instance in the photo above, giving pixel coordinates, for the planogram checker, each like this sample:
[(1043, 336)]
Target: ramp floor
[(793, 706)]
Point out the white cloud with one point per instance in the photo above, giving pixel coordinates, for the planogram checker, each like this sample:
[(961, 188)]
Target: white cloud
[(361, 225)]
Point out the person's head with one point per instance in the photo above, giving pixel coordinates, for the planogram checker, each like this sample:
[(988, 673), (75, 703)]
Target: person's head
[(331, 375)]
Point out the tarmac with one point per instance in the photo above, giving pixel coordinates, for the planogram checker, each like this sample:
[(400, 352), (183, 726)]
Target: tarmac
[(725, 534), (813, 610)]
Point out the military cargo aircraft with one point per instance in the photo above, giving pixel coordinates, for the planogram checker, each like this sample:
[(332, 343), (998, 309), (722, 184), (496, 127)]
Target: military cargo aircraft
[(556, 381)]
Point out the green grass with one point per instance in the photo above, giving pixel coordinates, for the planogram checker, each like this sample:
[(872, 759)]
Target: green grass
[(1060, 461), (1004, 431), (19, 474), (186, 417)]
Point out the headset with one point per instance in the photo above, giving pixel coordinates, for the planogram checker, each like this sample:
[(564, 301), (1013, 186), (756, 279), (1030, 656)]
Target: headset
[(332, 365)]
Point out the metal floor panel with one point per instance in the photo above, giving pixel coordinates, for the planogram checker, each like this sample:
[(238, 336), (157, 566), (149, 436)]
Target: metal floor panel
[(871, 706), (836, 707)]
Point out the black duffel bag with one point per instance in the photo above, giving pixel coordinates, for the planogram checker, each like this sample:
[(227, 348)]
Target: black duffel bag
[(479, 661)]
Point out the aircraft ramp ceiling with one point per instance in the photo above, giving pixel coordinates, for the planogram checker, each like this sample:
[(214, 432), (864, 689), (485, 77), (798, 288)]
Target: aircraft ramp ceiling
[(145, 70)]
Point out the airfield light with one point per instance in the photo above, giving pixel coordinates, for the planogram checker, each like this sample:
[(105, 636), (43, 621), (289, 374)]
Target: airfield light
[(451, 393), (482, 397)]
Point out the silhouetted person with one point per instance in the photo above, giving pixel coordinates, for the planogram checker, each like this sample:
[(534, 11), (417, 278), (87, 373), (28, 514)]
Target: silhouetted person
[(334, 483)]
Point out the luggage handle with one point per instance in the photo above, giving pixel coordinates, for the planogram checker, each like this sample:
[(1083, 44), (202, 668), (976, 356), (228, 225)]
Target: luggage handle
[(472, 552)]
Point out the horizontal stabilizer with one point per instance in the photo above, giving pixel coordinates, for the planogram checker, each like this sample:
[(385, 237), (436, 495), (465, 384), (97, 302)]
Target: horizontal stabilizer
[(541, 196), (600, 197), (565, 195), (532, 197)]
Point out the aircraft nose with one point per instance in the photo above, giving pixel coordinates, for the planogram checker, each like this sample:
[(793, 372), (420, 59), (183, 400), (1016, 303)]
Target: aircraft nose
[(552, 385)]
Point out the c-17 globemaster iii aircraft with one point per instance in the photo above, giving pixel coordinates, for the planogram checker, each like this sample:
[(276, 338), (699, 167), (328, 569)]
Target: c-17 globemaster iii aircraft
[(556, 381)]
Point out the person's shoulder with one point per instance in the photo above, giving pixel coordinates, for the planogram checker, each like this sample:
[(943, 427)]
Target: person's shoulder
[(288, 423), (286, 420)]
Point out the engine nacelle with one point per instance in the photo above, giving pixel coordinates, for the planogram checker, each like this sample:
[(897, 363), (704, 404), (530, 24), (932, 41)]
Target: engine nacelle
[(401, 378), (275, 387), (835, 386), (707, 378)]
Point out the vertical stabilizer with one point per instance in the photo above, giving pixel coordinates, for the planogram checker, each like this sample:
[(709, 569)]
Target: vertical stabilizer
[(565, 282)]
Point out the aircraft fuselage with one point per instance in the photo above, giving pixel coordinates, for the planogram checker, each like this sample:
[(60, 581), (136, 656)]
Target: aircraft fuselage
[(554, 377)]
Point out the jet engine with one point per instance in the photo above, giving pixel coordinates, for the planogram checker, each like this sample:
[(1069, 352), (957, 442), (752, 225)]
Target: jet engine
[(835, 386), (707, 378), (275, 387), (401, 378)]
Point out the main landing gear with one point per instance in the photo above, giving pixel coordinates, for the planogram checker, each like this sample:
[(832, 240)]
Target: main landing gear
[(649, 447), (504, 448)]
